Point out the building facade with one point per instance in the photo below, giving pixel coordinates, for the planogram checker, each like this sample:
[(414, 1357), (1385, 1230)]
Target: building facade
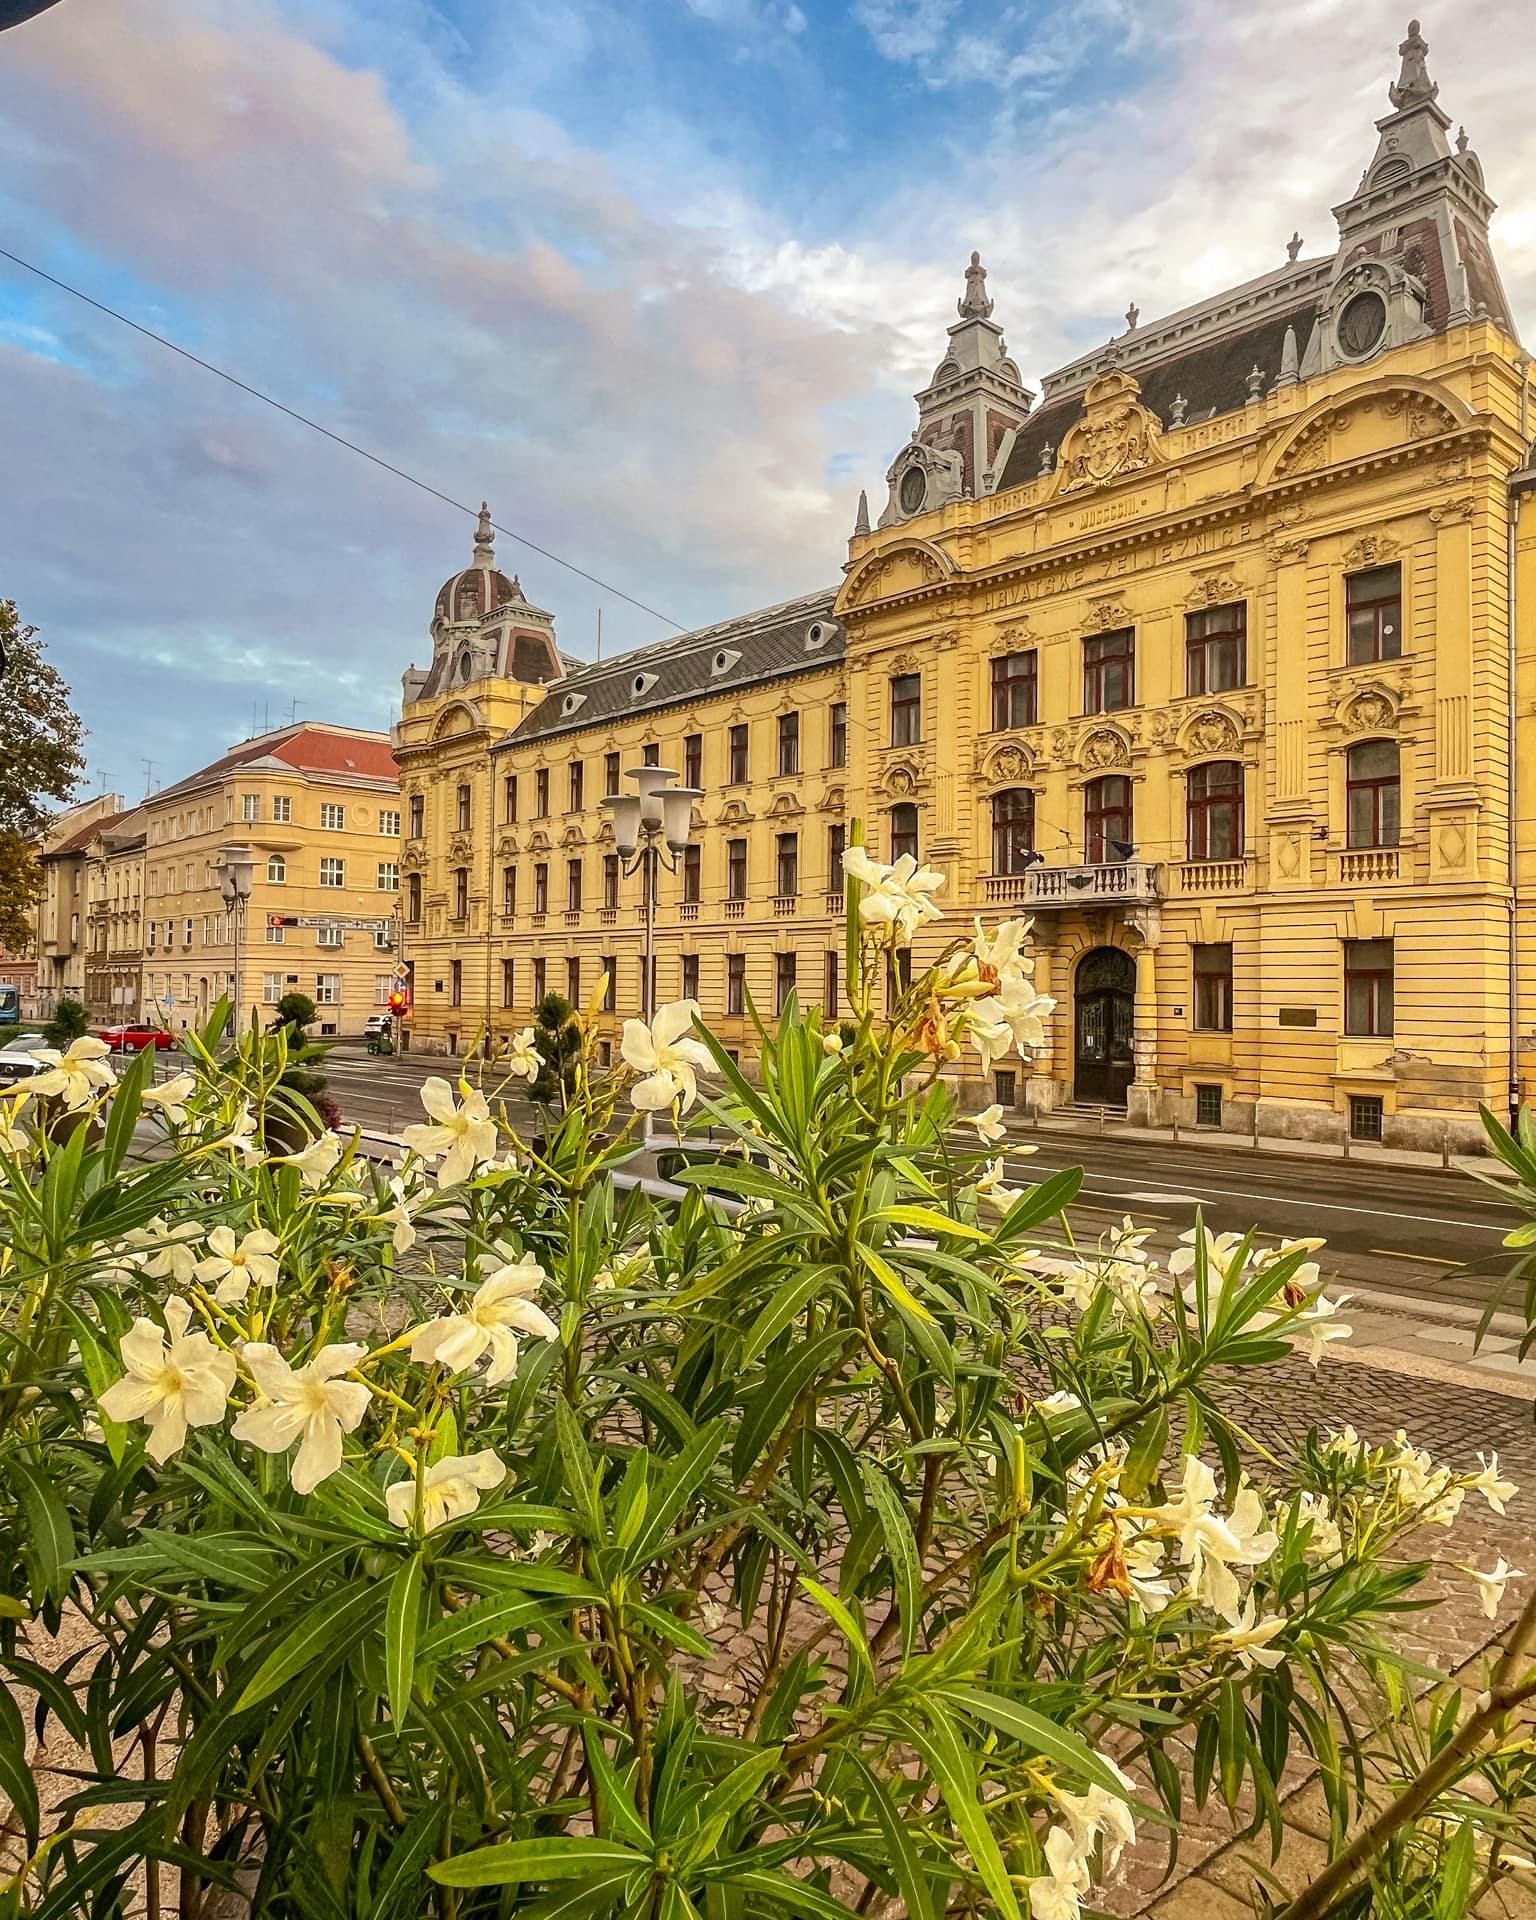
[(1217, 660), (63, 911), (114, 924), (317, 810)]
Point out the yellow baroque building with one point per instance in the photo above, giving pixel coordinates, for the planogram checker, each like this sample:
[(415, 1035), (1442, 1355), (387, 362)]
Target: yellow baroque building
[(1217, 660)]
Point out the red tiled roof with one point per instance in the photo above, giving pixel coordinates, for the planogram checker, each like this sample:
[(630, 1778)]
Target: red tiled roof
[(317, 752)]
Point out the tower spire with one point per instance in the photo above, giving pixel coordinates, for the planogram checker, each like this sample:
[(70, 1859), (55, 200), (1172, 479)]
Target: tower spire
[(1413, 84)]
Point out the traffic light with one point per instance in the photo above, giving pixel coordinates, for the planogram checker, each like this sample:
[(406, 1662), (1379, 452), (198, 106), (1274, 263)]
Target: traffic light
[(398, 1002)]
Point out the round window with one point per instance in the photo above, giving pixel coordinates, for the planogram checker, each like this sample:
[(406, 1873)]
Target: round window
[(1362, 323), (914, 490)]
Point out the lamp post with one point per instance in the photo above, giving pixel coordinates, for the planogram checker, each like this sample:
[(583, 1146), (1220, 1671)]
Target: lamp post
[(651, 826), (235, 869)]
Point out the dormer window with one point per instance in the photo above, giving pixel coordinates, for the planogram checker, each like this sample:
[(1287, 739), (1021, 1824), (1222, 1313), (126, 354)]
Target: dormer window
[(572, 703), (642, 684), (723, 661)]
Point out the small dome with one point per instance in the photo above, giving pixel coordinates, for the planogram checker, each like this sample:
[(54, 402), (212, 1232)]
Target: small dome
[(481, 587)]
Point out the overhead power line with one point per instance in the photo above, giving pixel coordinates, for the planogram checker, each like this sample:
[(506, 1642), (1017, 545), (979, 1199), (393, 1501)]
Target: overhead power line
[(340, 440)]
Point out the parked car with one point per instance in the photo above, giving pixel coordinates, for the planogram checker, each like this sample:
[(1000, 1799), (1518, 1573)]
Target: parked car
[(18, 1058), (134, 1036)]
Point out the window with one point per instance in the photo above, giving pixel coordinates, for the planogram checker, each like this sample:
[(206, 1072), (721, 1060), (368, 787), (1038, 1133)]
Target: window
[(332, 817), (736, 869), (333, 873), (389, 821), (1374, 794), (783, 979), (573, 979), (1109, 671), (735, 984), (789, 743), (418, 812), (610, 982), (389, 876), (383, 940), (692, 873), (271, 989), (456, 983), (904, 830), (1214, 811), (573, 886), (829, 982), (690, 976), (906, 709), (282, 809), (837, 844), (610, 880), (1213, 987), (1207, 1106), (508, 983), (540, 980), (610, 773), (1216, 649), (277, 870), (1367, 1114), (1016, 690), (509, 799), (509, 889), (413, 896), (1368, 984), (651, 755), (1013, 830), (250, 806), (461, 809), (1005, 1087), (693, 760), (1373, 613), (330, 937), (461, 893), (578, 776), (1107, 818), (837, 735), (738, 745), (327, 989), (540, 793), (541, 887), (787, 866)]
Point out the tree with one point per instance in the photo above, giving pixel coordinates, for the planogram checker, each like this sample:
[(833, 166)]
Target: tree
[(557, 1035), (69, 1022), (41, 759), (295, 1010)]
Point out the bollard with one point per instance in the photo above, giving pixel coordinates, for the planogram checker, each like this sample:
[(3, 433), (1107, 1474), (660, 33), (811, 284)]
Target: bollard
[(1445, 1147), (1255, 1126), (1175, 1129), (1101, 1119)]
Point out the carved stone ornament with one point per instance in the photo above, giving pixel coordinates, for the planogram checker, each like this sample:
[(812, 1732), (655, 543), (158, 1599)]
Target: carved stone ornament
[(1212, 732), (538, 841), (785, 807), (1060, 740), (1369, 710), (833, 800), (1213, 589), (1008, 765), (1104, 748), (573, 837), (1162, 727), (1452, 511), (1422, 416), (459, 847), (1288, 853), (734, 814), (413, 859), (1115, 435), (900, 779), (1104, 616), (906, 663), (1010, 639), (1281, 552), (506, 846), (1371, 550)]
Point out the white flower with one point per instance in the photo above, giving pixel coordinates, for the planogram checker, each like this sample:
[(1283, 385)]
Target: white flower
[(172, 1097), (1490, 1485), (832, 1043), (241, 1137), (463, 1135), (989, 1125), (1421, 1484), (1099, 1812), (1144, 1569), (450, 1489), (1249, 1638), (1491, 1585), (399, 1215), (77, 1074), (1320, 1324), (160, 1252), (1210, 1546), (987, 1030), (666, 1056), (1059, 1402), (1058, 1895), (897, 896), (170, 1385), (501, 1303), (1325, 1539), (232, 1269), (523, 1056), (316, 1162), (308, 1404), (1346, 1442)]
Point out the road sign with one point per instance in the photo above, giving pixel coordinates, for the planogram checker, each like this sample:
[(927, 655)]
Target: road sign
[(351, 925)]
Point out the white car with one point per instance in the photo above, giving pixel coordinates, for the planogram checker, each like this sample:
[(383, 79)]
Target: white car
[(18, 1059)]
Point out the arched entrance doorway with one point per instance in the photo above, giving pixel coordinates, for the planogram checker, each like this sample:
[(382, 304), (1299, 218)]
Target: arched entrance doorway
[(1105, 996)]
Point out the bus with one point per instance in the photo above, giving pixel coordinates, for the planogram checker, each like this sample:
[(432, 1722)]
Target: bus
[(10, 1005)]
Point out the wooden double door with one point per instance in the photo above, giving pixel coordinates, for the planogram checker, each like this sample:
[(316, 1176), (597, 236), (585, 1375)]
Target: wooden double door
[(1104, 994)]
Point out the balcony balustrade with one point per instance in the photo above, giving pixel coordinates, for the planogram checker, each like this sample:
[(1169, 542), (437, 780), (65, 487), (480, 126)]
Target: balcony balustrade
[(1129, 882)]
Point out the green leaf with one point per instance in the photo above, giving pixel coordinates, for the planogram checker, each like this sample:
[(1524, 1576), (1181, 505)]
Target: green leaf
[(683, 1478), (901, 1545), (1456, 1875), (582, 1482), (1232, 1741), (1039, 1734), (724, 1801), (891, 1281), (617, 1800), (667, 1628), (551, 1857), (487, 1620), (785, 1894), (50, 1539), (842, 1618), (930, 1220), (17, 1781), (768, 1408), (783, 1308), (397, 1891), (916, 1893), (940, 1745), (329, 1626), (402, 1622), (1145, 1455)]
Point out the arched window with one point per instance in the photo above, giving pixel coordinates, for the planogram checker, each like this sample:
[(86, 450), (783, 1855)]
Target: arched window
[(1013, 830), (277, 869), (1374, 794), (904, 830), (1215, 811), (1107, 818)]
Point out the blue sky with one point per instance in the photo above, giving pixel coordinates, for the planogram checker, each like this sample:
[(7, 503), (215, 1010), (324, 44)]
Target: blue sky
[(658, 279)]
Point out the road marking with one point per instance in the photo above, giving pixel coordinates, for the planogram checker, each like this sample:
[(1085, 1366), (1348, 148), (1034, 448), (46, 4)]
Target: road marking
[(1114, 1213), (1169, 1199), (1332, 1206), (1420, 1259)]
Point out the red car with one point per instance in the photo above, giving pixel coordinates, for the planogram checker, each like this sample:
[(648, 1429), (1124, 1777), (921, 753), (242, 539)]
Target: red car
[(134, 1037)]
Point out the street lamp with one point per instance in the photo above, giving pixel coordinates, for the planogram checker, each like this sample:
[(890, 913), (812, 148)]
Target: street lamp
[(235, 869), (651, 826)]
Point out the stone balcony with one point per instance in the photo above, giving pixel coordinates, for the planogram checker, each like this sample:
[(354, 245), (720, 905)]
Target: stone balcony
[(1121, 882), (1366, 866)]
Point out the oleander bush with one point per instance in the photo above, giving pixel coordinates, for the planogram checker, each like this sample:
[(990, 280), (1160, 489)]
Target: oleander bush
[(477, 1536)]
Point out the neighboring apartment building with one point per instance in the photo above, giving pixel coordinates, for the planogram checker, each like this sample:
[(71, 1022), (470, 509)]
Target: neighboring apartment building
[(1202, 661), (62, 911), (317, 809), (114, 925)]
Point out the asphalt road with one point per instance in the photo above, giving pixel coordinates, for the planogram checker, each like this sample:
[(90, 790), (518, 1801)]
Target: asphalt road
[(1398, 1229)]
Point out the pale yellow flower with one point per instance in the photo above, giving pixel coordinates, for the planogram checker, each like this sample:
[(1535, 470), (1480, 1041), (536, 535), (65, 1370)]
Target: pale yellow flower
[(460, 1134), (502, 1307), (898, 896), (77, 1074), (308, 1404), (666, 1056), (171, 1097), (170, 1384), (232, 1267), (451, 1488)]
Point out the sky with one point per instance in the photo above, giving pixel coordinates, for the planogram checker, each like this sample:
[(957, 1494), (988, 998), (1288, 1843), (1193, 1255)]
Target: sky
[(658, 278)]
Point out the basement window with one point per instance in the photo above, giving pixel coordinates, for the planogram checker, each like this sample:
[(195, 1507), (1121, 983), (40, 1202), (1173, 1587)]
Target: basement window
[(1207, 1106), (1366, 1115)]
